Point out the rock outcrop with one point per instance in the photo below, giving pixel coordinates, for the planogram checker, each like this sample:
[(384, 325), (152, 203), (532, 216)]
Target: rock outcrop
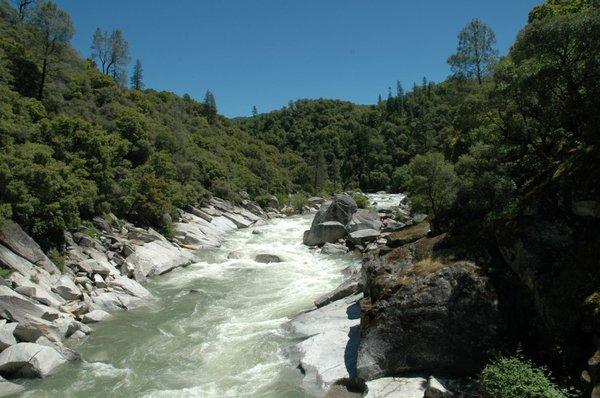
[(30, 360), (420, 315)]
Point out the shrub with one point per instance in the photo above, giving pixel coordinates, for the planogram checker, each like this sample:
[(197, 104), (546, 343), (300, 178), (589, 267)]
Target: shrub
[(298, 201), (517, 377), (361, 201)]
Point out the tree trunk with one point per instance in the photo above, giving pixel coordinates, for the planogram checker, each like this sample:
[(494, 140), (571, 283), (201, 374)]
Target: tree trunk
[(43, 79)]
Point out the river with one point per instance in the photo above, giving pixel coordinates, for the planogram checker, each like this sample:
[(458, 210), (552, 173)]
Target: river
[(225, 339)]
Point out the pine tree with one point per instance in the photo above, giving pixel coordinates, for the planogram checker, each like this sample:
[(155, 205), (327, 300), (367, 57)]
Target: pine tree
[(254, 110), (399, 89), (211, 105), (476, 52), (137, 82), (320, 171)]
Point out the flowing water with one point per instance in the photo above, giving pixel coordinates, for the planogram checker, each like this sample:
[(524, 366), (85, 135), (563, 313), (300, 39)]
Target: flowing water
[(224, 339)]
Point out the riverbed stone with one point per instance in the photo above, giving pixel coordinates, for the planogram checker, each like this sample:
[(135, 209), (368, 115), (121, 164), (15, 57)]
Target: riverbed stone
[(30, 360), (13, 237), (364, 219), (364, 236), (7, 337), (16, 307), (267, 258), (334, 248), (397, 387), (9, 389), (329, 354), (66, 288), (95, 316), (325, 232)]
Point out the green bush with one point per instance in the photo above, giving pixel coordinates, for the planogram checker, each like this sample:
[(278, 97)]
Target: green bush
[(298, 200), (517, 377), (361, 200)]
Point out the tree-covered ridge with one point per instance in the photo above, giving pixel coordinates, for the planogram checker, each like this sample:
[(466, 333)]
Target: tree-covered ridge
[(88, 145)]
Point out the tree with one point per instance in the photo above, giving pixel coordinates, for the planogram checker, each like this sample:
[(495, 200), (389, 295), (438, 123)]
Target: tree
[(112, 51), (211, 105), (101, 48), (254, 110), (432, 183), (476, 52), (137, 76), (399, 89), (54, 30), (22, 6)]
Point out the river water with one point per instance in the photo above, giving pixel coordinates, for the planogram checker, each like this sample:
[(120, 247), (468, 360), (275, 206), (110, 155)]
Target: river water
[(226, 339)]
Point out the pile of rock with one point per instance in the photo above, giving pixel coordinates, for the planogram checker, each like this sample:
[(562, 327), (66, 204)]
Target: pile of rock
[(403, 313), (105, 267)]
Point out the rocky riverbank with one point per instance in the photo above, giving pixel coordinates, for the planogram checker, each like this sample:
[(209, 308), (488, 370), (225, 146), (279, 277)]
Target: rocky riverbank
[(47, 307), (391, 329)]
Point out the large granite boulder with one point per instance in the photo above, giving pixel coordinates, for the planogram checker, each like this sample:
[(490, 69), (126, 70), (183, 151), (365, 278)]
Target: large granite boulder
[(341, 209), (325, 232), (13, 237), (329, 224), (420, 315), (30, 360), (364, 219)]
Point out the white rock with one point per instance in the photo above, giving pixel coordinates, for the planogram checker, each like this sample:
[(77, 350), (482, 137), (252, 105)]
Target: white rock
[(30, 360), (36, 292), (334, 248), (16, 307), (66, 288), (9, 389), (397, 387), (7, 337), (99, 281), (130, 286), (159, 257), (435, 389), (95, 316), (330, 353)]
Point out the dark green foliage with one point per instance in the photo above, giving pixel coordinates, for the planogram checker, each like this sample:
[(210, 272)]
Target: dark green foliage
[(432, 183), (516, 377), (91, 146)]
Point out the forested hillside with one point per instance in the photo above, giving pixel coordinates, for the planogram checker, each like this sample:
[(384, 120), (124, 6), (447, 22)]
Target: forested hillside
[(75, 142)]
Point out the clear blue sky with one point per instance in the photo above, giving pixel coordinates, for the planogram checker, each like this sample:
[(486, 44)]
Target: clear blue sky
[(266, 52)]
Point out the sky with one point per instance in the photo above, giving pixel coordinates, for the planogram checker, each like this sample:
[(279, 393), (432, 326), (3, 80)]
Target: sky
[(268, 52)]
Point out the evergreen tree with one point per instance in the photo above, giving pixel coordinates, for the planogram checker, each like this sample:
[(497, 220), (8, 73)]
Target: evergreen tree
[(211, 105), (476, 52), (137, 82), (254, 110), (399, 89)]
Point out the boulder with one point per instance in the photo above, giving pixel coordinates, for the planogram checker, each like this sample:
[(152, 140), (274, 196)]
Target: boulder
[(129, 286), (363, 236), (16, 307), (7, 337), (235, 255), (95, 316), (30, 329), (267, 258), (328, 355), (239, 220), (30, 360), (9, 389), (37, 292), (426, 317), (407, 235), (14, 238), (66, 288), (349, 287), (328, 231), (334, 248), (435, 389), (364, 219), (397, 387), (341, 209), (102, 224)]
